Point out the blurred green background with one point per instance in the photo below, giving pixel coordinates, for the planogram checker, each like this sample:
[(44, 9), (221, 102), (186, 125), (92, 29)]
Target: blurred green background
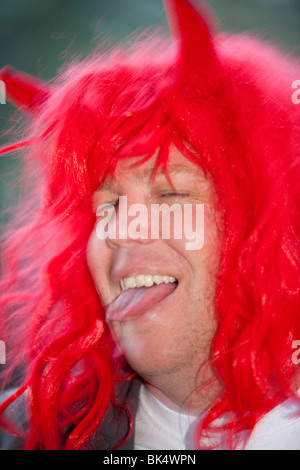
[(38, 36)]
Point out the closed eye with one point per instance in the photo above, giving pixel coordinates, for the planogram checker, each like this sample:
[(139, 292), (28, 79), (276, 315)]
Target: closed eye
[(173, 194), (105, 207)]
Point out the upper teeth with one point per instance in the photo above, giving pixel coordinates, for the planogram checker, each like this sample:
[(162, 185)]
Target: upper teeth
[(144, 280)]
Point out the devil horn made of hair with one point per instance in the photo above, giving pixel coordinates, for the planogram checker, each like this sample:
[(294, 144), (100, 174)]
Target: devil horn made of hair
[(23, 90), (193, 29)]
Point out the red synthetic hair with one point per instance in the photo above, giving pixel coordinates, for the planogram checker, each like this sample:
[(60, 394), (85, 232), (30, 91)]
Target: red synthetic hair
[(234, 117)]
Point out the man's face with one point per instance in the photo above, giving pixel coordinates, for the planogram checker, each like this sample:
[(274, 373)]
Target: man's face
[(171, 330)]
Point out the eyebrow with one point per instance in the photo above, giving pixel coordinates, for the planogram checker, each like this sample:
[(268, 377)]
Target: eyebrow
[(140, 174)]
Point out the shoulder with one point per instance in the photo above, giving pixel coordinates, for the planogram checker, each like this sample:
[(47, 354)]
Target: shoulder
[(118, 424), (279, 429)]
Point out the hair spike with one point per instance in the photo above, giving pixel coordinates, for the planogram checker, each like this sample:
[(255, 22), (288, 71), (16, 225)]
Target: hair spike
[(194, 30), (23, 90)]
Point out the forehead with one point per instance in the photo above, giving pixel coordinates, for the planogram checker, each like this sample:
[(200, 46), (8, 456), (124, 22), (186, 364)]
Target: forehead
[(131, 169)]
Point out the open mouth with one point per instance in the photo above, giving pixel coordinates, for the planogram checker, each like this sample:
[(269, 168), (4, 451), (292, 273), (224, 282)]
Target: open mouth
[(139, 294)]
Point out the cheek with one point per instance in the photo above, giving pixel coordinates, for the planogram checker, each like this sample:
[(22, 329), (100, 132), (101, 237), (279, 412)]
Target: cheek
[(98, 262), (201, 248), (92, 254)]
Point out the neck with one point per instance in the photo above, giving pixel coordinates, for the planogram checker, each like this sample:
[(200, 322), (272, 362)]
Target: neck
[(196, 396)]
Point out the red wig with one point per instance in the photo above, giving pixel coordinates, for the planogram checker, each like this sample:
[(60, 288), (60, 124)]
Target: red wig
[(225, 102)]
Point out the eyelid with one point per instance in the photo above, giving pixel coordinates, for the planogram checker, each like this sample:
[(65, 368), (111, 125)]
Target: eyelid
[(106, 206), (173, 194)]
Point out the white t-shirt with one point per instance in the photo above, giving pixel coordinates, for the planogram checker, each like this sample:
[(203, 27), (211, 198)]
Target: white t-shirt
[(158, 427), (161, 428)]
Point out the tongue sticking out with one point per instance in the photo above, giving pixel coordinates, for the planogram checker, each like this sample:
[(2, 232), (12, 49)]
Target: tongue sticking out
[(134, 302)]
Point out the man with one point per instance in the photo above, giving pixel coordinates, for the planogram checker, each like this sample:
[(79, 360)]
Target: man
[(127, 338)]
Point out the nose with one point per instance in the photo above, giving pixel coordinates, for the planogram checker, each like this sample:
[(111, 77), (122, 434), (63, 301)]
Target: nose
[(128, 222)]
